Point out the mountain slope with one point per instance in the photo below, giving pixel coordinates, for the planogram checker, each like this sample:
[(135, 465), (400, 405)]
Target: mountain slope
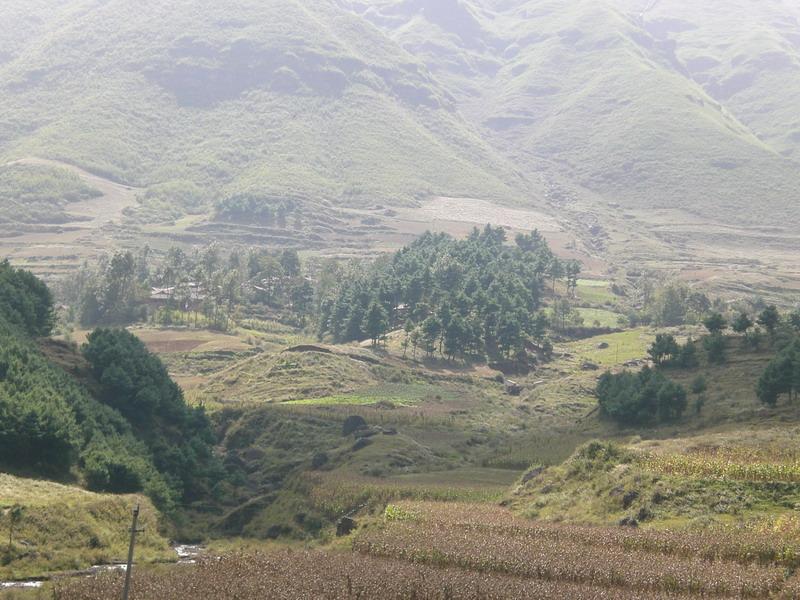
[(662, 135), (284, 97), (621, 102)]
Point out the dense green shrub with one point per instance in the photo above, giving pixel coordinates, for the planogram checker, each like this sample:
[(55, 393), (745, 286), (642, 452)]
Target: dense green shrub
[(639, 398), (136, 383), (25, 301)]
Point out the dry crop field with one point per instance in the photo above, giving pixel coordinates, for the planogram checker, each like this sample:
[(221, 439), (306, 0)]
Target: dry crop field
[(729, 464), (457, 550)]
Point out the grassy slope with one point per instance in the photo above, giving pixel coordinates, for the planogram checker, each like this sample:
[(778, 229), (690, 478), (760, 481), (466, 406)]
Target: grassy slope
[(588, 90), (591, 66), (705, 462), (66, 528), (201, 101), (453, 421), (33, 194)]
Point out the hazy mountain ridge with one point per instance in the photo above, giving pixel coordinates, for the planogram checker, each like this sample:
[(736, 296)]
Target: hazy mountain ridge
[(649, 104), (284, 97), (622, 100)]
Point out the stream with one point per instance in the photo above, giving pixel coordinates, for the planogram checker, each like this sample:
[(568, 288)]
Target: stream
[(187, 555)]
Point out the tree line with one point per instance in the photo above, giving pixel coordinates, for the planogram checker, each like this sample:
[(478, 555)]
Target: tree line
[(477, 297), (204, 285)]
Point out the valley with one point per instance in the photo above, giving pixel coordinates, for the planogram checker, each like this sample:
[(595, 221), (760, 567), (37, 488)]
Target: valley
[(399, 299)]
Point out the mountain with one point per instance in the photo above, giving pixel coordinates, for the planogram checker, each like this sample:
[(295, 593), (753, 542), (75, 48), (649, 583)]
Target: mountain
[(199, 99), (660, 135), (649, 104)]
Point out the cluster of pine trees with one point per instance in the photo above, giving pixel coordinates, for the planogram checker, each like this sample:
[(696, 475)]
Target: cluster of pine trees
[(474, 297), (253, 208)]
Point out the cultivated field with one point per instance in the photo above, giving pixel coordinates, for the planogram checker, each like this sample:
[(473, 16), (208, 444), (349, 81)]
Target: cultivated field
[(449, 551)]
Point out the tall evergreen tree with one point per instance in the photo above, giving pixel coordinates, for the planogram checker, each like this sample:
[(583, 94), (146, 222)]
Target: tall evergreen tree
[(376, 322)]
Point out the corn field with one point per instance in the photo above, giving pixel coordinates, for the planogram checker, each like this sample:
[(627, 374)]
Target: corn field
[(476, 551), (332, 576), (338, 495), (727, 465)]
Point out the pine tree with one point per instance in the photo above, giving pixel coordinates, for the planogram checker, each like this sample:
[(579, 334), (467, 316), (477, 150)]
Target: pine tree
[(715, 323), (376, 322), (769, 318)]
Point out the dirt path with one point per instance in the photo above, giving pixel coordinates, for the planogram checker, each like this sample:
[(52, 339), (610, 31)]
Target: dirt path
[(57, 249), (108, 207)]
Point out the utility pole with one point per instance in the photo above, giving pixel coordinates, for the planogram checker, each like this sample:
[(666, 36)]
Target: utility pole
[(129, 566)]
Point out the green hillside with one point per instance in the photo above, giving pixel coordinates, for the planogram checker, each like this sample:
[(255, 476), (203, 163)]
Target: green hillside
[(397, 100), (677, 109), (109, 418), (284, 98)]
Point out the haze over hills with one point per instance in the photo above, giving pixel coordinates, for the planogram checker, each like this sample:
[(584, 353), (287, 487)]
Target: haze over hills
[(287, 98), (670, 107), (656, 132), (374, 276)]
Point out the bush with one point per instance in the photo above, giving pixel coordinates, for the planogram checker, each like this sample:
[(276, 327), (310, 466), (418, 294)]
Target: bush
[(107, 472), (352, 424), (319, 460)]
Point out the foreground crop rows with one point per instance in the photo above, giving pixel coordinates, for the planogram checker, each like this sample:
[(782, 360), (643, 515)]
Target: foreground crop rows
[(469, 550), (569, 561), (326, 575)]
